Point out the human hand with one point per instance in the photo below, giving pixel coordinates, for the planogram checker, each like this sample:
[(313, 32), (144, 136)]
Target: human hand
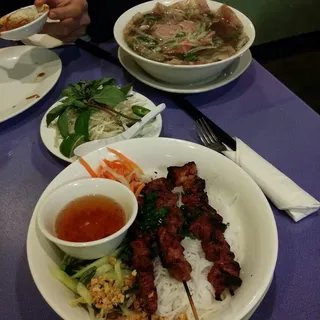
[(72, 15)]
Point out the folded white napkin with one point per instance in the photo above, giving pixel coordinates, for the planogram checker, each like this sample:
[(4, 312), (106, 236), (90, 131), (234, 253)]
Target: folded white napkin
[(46, 41), (282, 191), (43, 40)]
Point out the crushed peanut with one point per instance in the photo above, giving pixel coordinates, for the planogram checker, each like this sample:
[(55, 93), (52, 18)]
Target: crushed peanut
[(105, 293), (141, 316), (182, 316), (156, 317)]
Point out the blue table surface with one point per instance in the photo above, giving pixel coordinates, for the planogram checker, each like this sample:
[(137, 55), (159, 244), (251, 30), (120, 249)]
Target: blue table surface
[(256, 107)]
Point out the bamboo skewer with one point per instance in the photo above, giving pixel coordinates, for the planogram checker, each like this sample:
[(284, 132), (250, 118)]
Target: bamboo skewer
[(193, 307)]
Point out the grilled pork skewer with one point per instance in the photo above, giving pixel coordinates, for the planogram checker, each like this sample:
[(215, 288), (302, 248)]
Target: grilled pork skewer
[(142, 257), (143, 264), (167, 236), (172, 252), (207, 226), (171, 249), (225, 273)]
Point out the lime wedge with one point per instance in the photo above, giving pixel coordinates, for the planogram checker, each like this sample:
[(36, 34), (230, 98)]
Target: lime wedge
[(68, 144)]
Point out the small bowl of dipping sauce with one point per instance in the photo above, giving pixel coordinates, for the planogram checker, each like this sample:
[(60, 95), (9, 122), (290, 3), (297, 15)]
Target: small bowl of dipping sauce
[(88, 218)]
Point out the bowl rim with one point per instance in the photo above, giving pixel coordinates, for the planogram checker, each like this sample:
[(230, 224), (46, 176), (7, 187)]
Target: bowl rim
[(44, 14), (268, 275), (125, 47), (85, 181)]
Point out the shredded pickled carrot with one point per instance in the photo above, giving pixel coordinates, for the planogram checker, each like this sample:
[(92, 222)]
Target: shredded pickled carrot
[(100, 171), (118, 167), (122, 170), (108, 175), (88, 168), (126, 160), (139, 189), (106, 161)]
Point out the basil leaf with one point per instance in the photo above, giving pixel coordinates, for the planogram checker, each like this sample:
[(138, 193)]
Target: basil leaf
[(110, 95), (54, 113), (81, 125), (92, 84), (68, 144), (79, 104), (126, 89), (77, 86), (63, 123), (106, 81), (68, 93), (68, 102), (97, 85), (73, 102)]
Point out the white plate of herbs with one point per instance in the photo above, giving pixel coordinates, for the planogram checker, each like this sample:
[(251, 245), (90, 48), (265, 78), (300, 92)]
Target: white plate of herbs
[(92, 110)]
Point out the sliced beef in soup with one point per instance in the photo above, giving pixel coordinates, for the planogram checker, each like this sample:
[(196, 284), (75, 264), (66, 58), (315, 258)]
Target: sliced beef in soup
[(186, 32)]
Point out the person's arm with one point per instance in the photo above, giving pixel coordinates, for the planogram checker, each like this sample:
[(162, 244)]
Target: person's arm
[(75, 17), (103, 15)]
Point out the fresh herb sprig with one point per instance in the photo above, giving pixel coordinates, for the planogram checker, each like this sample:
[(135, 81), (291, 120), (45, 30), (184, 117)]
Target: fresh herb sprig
[(150, 218), (83, 98)]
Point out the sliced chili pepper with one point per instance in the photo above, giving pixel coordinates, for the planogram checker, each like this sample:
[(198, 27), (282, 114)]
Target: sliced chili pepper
[(140, 111)]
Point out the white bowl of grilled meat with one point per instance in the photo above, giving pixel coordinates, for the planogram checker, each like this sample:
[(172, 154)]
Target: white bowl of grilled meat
[(251, 233), (184, 42)]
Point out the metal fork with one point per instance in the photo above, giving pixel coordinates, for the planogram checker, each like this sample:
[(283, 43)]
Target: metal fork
[(207, 136)]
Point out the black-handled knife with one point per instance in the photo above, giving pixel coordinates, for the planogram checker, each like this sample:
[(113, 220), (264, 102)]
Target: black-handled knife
[(182, 102)]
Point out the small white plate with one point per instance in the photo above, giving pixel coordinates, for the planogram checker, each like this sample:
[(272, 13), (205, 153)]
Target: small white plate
[(48, 134), (26, 75), (231, 73)]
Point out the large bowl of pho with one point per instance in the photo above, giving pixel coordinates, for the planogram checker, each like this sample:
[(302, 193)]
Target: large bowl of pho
[(184, 42)]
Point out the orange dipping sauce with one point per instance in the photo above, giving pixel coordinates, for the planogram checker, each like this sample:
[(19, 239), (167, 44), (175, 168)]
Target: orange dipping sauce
[(89, 218)]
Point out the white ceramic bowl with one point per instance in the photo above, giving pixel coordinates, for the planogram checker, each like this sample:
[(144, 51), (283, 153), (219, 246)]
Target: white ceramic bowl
[(27, 30), (51, 206), (230, 190), (179, 74)]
